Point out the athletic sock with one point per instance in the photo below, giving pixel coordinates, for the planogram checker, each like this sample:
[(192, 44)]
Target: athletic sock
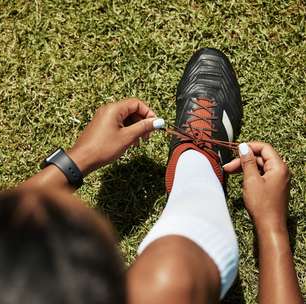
[(196, 209)]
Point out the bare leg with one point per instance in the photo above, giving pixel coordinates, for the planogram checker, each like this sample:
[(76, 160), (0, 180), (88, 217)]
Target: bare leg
[(173, 269)]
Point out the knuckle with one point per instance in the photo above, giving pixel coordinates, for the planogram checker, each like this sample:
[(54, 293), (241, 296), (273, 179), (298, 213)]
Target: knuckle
[(111, 110), (146, 126), (110, 107), (103, 109), (283, 172), (283, 169), (249, 161)]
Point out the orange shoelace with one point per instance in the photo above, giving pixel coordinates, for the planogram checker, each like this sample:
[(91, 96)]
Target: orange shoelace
[(200, 137), (201, 143)]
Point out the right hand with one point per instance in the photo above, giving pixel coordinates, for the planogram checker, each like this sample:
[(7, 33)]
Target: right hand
[(113, 129), (265, 193)]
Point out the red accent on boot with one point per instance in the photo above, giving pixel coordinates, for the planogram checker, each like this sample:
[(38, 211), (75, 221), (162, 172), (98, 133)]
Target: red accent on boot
[(200, 126)]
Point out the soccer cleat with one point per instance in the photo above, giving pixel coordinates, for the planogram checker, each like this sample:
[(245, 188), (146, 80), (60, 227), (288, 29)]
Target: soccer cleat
[(208, 109)]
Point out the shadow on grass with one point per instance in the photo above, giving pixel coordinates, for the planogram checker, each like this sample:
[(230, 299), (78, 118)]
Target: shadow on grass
[(292, 230), (235, 294), (129, 191)]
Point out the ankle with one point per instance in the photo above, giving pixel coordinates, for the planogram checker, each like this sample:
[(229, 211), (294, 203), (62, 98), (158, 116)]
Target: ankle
[(177, 152)]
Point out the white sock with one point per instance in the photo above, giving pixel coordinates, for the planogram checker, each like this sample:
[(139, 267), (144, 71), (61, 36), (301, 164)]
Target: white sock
[(197, 210)]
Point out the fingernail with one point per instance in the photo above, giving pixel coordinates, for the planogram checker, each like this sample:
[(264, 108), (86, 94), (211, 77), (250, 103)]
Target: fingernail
[(243, 149), (158, 123)]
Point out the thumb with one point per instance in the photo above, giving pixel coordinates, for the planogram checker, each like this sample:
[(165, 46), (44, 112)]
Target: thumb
[(143, 127), (248, 161)]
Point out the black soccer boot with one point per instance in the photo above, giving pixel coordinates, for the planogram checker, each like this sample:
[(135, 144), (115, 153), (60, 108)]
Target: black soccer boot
[(208, 107)]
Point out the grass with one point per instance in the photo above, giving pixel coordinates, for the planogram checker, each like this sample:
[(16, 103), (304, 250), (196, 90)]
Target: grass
[(61, 60)]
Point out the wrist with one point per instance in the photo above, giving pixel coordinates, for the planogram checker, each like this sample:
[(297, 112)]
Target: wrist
[(268, 228), (274, 242), (270, 222), (81, 159)]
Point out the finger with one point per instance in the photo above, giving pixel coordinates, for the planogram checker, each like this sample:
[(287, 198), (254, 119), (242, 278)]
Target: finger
[(135, 117), (271, 159), (248, 161), (260, 161), (264, 150), (139, 129), (233, 166), (134, 106), (131, 119)]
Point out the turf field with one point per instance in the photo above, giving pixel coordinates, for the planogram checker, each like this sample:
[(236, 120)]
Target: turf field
[(61, 59)]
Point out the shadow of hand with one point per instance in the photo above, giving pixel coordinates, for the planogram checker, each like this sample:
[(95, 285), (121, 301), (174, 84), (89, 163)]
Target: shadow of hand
[(129, 191)]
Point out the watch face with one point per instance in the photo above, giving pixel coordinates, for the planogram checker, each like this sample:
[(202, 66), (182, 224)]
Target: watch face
[(53, 155)]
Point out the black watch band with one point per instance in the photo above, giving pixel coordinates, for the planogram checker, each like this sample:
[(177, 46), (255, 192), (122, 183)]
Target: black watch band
[(62, 161)]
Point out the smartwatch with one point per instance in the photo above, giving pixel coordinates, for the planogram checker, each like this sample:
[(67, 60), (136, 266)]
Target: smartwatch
[(63, 162)]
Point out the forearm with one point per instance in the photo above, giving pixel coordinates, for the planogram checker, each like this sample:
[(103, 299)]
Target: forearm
[(277, 280), (50, 177)]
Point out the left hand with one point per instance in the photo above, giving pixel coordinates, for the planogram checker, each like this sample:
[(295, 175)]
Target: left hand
[(113, 129), (265, 185)]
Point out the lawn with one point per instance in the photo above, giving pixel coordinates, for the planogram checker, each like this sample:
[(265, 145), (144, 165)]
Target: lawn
[(61, 60)]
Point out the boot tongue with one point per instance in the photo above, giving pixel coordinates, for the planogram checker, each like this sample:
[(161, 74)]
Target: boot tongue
[(199, 126)]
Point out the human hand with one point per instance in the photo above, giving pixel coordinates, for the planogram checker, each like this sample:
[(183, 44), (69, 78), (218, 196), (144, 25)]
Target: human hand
[(265, 183), (112, 130)]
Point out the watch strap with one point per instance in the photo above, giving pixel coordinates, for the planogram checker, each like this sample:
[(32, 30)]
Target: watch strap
[(63, 162)]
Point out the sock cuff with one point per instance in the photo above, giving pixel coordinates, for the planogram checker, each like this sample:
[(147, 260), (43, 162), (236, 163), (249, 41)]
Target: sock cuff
[(221, 246), (171, 166)]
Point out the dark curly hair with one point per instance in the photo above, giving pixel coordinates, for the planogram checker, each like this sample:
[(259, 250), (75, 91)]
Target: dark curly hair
[(52, 256)]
